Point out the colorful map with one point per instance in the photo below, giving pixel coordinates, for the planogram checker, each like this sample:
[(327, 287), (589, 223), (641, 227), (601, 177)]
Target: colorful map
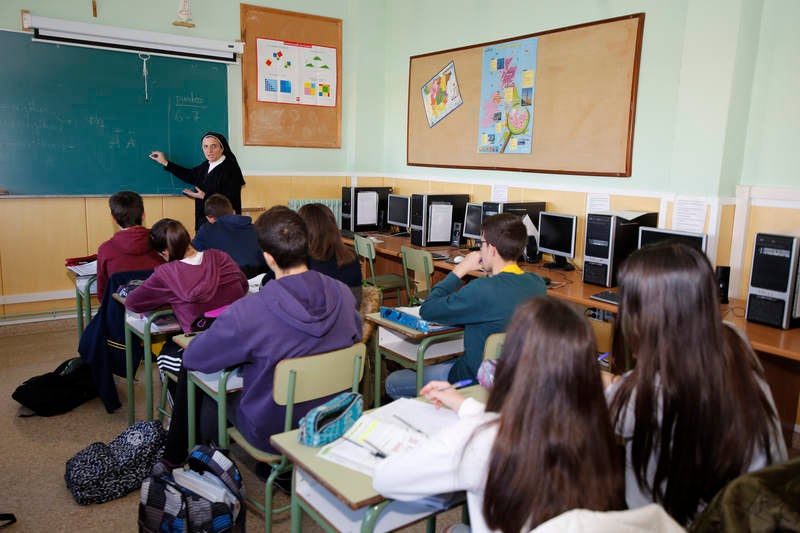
[(507, 90), (441, 95)]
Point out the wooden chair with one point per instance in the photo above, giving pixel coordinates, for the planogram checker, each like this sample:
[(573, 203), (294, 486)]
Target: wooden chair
[(301, 379), (420, 264), (366, 248)]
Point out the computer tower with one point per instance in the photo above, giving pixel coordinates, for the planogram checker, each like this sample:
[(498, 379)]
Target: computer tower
[(350, 206), (772, 297), (610, 238), (532, 209), (421, 206)]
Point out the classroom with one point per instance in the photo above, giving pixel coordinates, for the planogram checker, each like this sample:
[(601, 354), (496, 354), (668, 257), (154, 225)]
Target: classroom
[(717, 124)]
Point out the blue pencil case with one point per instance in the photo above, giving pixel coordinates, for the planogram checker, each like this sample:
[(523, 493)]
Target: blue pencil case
[(329, 421)]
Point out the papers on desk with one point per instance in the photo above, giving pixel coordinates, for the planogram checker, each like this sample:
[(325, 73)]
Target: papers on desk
[(84, 269), (162, 324), (387, 431)]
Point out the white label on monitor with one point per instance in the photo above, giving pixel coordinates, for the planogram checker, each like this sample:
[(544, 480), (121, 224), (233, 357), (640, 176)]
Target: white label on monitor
[(440, 222), (499, 193), (689, 214), (366, 208)]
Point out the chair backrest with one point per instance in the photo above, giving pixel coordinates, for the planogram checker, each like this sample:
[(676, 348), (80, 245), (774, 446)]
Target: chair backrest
[(493, 346), (365, 248), (300, 379), (420, 262)]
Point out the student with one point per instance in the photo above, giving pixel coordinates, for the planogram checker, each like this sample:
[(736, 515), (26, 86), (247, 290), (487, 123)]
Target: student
[(543, 443), (191, 282), (219, 173), (301, 312), (129, 248), (695, 411), (326, 251), (231, 233), (483, 306)]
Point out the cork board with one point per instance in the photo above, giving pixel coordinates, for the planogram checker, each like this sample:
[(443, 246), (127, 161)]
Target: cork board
[(583, 110), (280, 124)]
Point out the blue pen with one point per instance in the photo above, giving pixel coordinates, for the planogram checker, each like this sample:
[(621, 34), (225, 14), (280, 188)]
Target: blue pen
[(459, 384), (603, 356)]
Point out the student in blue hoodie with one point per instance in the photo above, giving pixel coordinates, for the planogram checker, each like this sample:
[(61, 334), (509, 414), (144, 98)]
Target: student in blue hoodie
[(233, 234), (300, 312)]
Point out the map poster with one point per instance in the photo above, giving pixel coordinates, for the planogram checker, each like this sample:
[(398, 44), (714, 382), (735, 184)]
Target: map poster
[(296, 73), (507, 89), (440, 95)]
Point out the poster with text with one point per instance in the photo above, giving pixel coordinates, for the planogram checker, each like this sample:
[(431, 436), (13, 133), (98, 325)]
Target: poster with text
[(296, 73), (440, 95), (508, 78)]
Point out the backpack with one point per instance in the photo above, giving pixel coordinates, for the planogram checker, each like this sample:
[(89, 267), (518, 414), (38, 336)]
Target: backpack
[(59, 391), (205, 494), (103, 472)]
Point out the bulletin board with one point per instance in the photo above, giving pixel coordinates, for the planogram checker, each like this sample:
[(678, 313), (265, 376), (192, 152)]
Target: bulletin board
[(583, 111), (282, 124)]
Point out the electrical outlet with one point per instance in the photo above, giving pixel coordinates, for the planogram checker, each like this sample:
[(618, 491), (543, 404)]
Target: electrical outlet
[(594, 313)]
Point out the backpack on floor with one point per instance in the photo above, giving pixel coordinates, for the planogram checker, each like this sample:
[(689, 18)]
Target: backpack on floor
[(59, 391), (205, 494), (103, 472)]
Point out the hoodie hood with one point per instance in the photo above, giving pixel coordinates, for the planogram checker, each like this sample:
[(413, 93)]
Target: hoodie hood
[(200, 283), (133, 241), (305, 302)]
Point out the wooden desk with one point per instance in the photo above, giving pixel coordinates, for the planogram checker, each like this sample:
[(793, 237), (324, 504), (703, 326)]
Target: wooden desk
[(339, 484), (779, 350), (144, 332), (412, 348)]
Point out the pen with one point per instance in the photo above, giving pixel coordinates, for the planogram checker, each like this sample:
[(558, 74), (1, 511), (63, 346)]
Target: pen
[(459, 384), (603, 356), (409, 425), (377, 453)]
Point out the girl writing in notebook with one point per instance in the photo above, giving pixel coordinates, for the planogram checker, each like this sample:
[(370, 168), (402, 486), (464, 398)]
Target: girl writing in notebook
[(542, 444)]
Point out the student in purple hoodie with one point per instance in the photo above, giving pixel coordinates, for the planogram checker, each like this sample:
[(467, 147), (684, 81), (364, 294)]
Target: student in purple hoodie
[(300, 312), (191, 282)]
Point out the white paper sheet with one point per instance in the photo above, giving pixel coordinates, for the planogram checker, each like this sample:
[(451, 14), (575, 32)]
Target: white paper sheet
[(366, 208), (440, 222)]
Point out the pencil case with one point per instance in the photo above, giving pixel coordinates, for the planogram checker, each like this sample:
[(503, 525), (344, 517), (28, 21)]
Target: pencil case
[(329, 421)]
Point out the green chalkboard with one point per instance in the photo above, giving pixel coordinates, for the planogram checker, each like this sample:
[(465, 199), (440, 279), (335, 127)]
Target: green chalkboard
[(76, 121)]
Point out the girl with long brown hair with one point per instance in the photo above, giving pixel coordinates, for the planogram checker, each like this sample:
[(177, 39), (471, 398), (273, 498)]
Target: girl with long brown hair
[(542, 445), (695, 411)]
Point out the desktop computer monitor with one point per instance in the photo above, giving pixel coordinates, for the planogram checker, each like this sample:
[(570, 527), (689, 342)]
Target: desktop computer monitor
[(472, 221), (364, 208), (399, 211), (557, 238), (652, 236)]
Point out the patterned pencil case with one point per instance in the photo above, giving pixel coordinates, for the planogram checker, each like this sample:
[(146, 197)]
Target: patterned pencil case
[(329, 421)]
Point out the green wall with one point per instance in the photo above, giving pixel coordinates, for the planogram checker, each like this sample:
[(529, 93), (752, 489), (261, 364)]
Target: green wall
[(718, 94)]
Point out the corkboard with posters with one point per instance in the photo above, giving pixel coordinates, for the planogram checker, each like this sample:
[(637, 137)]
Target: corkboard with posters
[(296, 124), (583, 108)]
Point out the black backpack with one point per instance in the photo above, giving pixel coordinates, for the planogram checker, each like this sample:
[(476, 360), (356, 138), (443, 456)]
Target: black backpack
[(59, 391)]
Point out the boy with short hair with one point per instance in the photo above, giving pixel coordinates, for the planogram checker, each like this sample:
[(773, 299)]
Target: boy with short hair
[(300, 312), (129, 248), (233, 234), (483, 306)]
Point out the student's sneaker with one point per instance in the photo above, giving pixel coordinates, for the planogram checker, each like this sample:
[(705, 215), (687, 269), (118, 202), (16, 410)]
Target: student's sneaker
[(283, 482)]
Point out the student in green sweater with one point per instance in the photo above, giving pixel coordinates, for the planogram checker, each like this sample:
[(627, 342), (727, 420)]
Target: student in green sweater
[(483, 306)]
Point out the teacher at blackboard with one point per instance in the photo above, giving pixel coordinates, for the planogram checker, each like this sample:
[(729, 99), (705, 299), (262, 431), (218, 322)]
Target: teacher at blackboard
[(219, 173)]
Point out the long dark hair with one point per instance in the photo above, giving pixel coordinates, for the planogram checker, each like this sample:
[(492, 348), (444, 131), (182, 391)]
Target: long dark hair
[(324, 239), (555, 449), (700, 375), (170, 235)]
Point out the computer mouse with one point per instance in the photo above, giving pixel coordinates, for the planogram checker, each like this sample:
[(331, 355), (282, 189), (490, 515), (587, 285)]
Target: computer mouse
[(457, 259)]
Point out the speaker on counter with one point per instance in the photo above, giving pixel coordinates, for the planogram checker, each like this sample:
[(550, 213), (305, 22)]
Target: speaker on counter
[(724, 279), (456, 240)]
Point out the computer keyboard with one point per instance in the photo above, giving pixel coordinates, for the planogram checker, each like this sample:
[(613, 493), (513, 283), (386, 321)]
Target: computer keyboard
[(609, 297)]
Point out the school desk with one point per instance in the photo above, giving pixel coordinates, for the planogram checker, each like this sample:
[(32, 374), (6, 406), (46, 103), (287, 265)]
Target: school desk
[(411, 347), (331, 493), (227, 380), (144, 330), (85, 286)]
